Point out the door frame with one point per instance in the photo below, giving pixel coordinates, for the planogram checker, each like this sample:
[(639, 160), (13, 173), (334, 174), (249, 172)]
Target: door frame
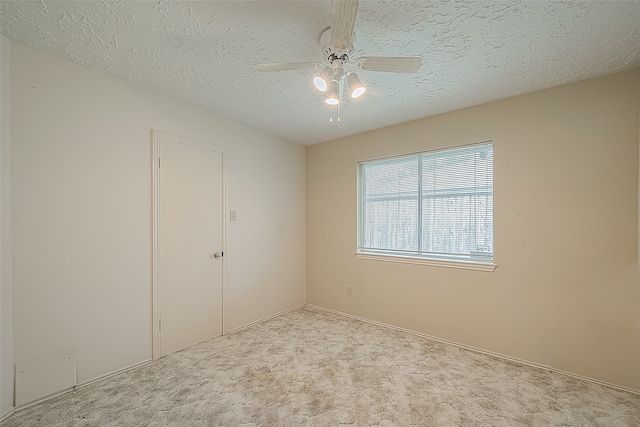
[(156, 293)]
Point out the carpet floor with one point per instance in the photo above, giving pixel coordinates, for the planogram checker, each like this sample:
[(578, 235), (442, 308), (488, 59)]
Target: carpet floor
[(314, 368)]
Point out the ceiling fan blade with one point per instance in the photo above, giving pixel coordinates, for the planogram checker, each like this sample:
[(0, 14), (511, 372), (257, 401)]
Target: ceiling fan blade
[(390, 64), (343, 19), (286, 66)]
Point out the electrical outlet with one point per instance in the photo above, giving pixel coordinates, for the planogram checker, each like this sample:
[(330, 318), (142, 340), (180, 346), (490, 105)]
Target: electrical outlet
[(349, 291)]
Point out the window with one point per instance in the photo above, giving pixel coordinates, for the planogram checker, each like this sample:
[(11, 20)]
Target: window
[(429, 208)]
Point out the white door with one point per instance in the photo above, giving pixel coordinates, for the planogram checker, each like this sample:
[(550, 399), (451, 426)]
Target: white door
[(189, 242)]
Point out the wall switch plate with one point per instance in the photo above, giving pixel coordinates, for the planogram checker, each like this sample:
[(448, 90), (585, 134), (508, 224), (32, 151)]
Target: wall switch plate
[(349, 291), (233, 215)]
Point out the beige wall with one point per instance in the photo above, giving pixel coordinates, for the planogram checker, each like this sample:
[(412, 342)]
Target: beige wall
[(566, 292), (81, 159), (6, 310)]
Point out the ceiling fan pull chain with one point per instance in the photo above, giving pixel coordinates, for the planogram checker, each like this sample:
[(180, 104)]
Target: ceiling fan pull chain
[(337, 113)]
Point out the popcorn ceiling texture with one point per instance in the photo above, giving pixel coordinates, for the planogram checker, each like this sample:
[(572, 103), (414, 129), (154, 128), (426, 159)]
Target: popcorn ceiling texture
[(204, 52), (313, 368)]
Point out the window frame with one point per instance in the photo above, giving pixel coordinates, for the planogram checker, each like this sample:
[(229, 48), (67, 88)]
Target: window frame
[(405, 257)]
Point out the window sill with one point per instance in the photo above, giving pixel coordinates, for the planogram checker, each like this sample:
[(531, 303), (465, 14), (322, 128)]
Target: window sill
[(464, 265)]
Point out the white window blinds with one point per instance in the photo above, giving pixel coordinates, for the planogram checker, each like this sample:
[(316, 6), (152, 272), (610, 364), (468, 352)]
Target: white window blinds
[(436, 204)]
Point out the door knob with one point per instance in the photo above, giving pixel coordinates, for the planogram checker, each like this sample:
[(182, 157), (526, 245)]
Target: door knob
[(218, 255)]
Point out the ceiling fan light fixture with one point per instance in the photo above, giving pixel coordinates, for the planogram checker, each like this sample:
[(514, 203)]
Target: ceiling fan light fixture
[(355, 85), (321, 81), (334, 89)]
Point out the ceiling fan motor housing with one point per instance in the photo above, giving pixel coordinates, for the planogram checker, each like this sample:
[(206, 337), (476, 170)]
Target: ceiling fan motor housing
[(330, 53)]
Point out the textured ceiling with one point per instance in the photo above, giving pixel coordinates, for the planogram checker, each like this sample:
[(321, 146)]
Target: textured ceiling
[(204, 52)]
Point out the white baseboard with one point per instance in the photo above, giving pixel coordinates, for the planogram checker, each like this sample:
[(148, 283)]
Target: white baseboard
[(477, 350), (264, 319), (111, 374), (72, 389), (137, 365), (362, 319), (7, 415)]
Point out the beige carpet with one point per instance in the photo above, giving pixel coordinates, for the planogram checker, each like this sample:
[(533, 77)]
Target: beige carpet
[(313, 368)]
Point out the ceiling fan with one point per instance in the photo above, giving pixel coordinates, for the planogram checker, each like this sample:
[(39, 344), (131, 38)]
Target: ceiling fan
[(337, 46)]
